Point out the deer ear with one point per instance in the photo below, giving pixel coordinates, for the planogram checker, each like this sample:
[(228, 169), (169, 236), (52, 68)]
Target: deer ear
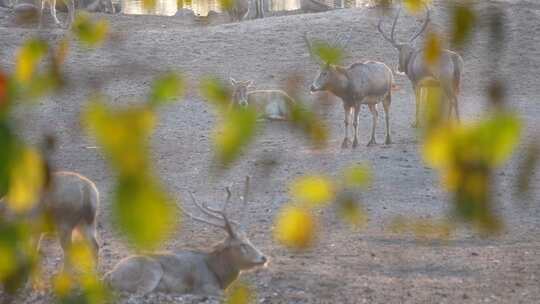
[(233, 82)]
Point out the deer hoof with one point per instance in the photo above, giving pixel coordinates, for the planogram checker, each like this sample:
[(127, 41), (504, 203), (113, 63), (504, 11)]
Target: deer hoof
[(388, 141), (346, 143), (355, 143), (415, 124), (372, 142)]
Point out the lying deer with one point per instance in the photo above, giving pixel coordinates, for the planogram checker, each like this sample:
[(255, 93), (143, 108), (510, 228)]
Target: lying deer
[(70, 202), (207, 273), (411, 63), (368, 82), (269, 104)]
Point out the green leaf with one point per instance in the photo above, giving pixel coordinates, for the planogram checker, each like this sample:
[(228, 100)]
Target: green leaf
[(463, 23), (166, 88), (216, 92), (327, 53), (91, 33)]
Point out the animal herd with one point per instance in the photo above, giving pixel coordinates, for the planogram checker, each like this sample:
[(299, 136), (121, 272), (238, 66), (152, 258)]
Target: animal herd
[(73, 200)]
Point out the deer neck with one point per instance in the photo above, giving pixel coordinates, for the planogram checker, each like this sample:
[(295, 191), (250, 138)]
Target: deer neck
[(341, 83), (221, 264)]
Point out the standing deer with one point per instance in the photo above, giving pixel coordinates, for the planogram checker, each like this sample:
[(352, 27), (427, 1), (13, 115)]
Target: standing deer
[(411, 62), (369, 83), (269, 104), (70, 202), (238, 10), (207, 273)]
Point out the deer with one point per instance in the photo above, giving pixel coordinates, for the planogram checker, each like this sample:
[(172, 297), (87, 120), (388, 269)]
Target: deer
[(368, 82), (52, 6), (70, 201), (269, 104), (238, 10), (192, 272), (412, 64)]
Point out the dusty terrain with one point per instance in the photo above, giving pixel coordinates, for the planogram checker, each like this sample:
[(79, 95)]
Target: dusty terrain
[(367, 266)]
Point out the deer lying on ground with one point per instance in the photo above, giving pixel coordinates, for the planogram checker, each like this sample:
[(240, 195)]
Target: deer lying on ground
[(269, 104), (411, 63), (369, 83), (207, 273), (70, 202)]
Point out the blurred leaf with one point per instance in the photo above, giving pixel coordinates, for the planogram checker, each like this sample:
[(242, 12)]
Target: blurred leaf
[(327, 53), (313, 190), (432, 99), (81, 256), (143, 212), (463, 21), (4, 102), (216, 92), (310, 124), (234, 133), (62, 284), (149, 4), (123, 134), (295, 227), (350, 210), (240, 293), (26, 182), (166, 88), (423, 229), (62, 51), (416, 6), (28, 58), (356, 176), (432, 49), (92, 33), (227, 4), (500, 134), (527, 168)]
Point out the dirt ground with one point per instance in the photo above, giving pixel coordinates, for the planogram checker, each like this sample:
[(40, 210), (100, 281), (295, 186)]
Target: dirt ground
[(347, 266)]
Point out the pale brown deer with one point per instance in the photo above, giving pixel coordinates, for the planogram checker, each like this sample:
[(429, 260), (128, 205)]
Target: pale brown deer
[(368, 82), (192, 272), (412, 63)]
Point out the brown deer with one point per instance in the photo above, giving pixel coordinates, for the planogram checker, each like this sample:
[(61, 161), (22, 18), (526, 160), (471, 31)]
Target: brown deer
[(411, 63), (269, 104), (368, 82), (182, 272), (70, 202)]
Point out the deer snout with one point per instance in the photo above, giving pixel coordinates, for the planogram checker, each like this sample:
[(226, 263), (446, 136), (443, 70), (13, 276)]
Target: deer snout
[(312, 89)]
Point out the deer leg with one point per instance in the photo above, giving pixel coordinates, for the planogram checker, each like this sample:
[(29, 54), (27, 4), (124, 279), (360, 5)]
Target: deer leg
[(89, 233), (386, 105), (456, 108), (41, 13), (375, 116), (52, 4), (355, 125), (417, 92), (71, 12), (64, 234), (346, 140)]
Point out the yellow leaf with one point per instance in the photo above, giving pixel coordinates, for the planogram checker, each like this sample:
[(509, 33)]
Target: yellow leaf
[(149, 4), (415, 6), (314, 190), (92, 33), (438, 147), (27, 178), (357, 176), (432, 49), (28, 58), (63, 284), (351, 210), (233, 134), (7, 258), (81, 256), (295, 227), (240, 293)]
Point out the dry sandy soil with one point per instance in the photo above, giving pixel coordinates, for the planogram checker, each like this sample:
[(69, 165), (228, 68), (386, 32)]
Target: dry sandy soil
[(367, 266)]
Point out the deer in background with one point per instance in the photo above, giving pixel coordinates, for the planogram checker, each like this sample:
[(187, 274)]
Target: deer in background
[(269, 104), (411, 63), (207, 273), (71, 203), (238, 10), (368, 82)]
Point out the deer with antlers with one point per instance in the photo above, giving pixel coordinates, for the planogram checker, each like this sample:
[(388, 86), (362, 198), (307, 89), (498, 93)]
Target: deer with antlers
[(368, 82), (411, 63), (207, 273)]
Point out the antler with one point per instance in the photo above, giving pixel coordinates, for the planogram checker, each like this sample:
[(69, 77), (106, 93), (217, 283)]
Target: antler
[(424, 25), (219, 214), (391, 38), (310, 48), (342, 40)]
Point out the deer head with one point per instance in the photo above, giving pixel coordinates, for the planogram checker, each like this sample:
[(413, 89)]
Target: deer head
[(239, 96), (405, 49), (236, 247)]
